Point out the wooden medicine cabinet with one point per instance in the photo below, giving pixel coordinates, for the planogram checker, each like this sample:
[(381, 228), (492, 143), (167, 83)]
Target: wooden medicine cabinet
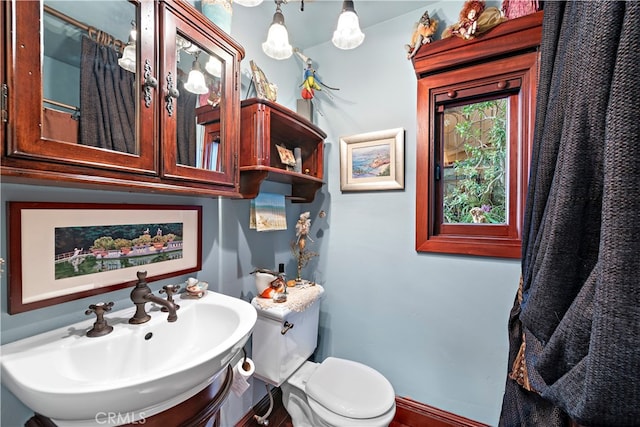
[(139, 126)]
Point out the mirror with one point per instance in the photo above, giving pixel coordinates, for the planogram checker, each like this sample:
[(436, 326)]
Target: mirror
[(89, 98), (200, 87), (473, 166)]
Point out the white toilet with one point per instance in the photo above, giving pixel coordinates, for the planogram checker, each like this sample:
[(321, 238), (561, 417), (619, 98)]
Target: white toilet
[(334, 393)]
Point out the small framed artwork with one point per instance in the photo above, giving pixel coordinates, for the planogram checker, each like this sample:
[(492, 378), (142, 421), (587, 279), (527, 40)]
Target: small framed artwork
[(372, 161), (286, 155), (60, 252), (264, 89)]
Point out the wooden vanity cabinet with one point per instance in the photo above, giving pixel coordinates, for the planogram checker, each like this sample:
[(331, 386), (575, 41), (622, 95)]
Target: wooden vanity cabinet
[(265, 125), (34, 152), (200, 410)]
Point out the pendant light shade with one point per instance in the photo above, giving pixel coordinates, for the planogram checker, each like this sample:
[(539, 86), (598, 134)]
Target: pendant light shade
[(128, 59), (277, 45), (195, 83), (348, 34), (214, 66), (248, 3)]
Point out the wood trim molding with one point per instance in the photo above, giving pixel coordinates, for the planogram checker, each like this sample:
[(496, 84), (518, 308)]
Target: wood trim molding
[(411, 413)]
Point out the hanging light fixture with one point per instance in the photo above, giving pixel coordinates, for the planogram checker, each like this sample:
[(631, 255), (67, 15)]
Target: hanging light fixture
[(128, 60), (348, 34), (277, 45), (248, 3), (195, 82), (214, 66)]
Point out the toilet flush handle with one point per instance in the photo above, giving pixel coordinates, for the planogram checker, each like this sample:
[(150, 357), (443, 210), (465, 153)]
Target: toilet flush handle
[(285, 327)]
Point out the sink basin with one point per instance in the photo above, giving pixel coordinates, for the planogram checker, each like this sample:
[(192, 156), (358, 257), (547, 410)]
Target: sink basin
[(137, 370)]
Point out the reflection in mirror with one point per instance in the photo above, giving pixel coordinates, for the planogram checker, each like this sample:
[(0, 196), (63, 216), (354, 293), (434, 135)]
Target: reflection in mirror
[(200, 88), (474, 163), (89, 98)]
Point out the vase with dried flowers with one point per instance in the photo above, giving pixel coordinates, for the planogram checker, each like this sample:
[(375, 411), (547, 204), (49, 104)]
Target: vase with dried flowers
[(299, 245)]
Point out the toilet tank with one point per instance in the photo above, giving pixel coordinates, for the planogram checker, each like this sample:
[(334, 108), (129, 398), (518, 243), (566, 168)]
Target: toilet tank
[(277, 355)]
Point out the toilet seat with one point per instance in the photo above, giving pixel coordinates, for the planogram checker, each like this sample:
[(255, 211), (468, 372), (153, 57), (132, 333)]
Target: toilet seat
[(332, 419), (349, 389)]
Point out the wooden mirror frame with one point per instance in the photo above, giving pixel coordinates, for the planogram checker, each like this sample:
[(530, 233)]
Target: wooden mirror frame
[(453, 71)]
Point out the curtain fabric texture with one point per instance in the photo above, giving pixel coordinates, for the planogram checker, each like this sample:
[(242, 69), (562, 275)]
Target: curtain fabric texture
[(107, 100), (186, 129), (574, 332)]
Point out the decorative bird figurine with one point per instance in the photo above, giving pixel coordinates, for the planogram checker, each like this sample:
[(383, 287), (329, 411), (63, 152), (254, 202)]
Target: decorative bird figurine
[(311, 82)]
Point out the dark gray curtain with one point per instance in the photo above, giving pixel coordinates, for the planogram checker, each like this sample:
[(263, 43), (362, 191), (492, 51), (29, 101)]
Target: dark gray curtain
[(186, 126), (575, 330), (107, 100)]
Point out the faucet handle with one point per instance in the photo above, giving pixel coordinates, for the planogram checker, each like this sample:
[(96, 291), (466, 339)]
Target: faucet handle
[(170, 290), (100, 327)]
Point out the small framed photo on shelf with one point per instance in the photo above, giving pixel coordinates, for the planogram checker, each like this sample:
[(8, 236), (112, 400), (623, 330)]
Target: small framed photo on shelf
[(372, 161), (264, 89), (286, 156)]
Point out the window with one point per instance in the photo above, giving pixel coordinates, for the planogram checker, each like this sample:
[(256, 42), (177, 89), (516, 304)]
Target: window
[(475, 127)]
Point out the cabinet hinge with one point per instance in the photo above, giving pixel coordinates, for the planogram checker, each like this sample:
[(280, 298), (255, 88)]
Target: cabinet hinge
[(237, 79), (235, 163), (3, 103)]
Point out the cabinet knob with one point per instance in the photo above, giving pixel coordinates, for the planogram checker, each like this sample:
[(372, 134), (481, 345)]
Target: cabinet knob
[(149, 83), (172, 93), (452, 94)]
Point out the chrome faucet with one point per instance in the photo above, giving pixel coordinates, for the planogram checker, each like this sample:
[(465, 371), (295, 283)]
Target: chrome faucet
[(141, 294)]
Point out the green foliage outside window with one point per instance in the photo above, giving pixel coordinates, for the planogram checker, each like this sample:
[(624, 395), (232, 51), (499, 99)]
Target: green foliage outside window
[(479, 178)]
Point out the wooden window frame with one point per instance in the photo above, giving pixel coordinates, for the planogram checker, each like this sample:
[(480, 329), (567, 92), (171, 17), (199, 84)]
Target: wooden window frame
[(514, 77)]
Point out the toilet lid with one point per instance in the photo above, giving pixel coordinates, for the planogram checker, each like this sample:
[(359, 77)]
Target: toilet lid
[(350, 389)]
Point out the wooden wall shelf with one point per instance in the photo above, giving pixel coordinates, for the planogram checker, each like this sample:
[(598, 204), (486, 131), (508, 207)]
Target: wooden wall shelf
[(265, 124)]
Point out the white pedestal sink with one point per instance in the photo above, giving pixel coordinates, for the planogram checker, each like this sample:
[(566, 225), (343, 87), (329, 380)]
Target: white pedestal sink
[(134, 372)]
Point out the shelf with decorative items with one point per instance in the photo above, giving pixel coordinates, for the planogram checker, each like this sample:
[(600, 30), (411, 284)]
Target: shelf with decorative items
[(270, 137)]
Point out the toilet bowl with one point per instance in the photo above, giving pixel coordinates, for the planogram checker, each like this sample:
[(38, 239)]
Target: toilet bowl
[(338, 393), (334, 393)]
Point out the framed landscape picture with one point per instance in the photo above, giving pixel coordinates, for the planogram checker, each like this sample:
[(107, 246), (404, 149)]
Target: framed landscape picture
[(372, 161), (59, 252)]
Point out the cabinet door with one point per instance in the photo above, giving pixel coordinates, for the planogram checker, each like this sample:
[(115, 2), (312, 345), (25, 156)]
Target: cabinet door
[(199, 125), (71, 100)]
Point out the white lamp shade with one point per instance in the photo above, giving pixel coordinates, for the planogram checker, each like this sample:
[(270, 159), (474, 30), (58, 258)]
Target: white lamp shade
[(248, 3), (277, 45), (348, 34), (214, 66), (128, 60), (195, 83)]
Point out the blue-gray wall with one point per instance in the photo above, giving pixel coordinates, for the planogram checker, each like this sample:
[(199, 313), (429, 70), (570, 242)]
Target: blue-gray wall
[(434, 325)]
